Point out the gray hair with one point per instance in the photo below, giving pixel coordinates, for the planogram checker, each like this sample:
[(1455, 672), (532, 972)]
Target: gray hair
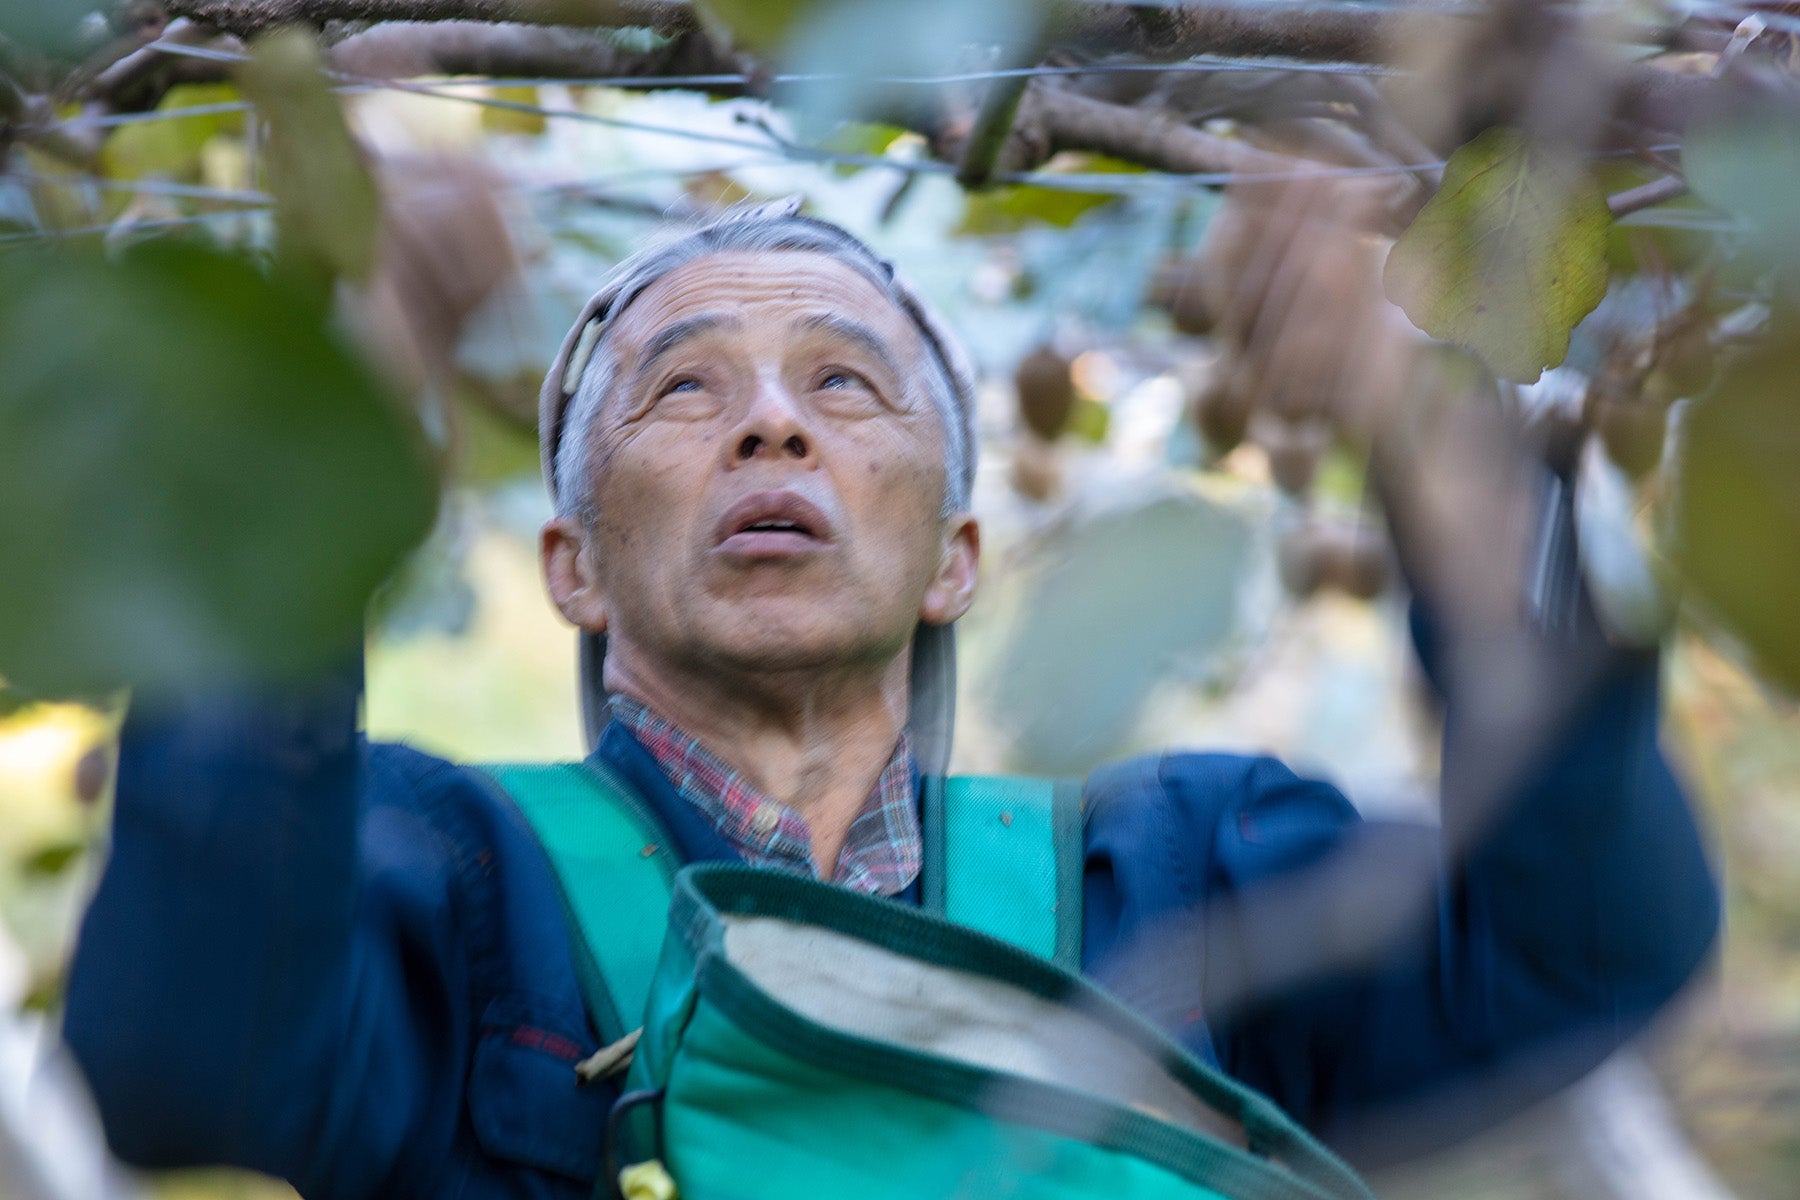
[(581, 379)]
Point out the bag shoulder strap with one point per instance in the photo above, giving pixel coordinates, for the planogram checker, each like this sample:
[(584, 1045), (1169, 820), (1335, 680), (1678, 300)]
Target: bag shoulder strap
[(1003, 855), (614, 868)]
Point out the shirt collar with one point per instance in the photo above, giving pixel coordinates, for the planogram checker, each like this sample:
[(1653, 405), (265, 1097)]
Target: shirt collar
[(881, 853)]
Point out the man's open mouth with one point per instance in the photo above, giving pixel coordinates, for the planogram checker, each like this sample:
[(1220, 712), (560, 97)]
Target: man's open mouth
[(772, 524)]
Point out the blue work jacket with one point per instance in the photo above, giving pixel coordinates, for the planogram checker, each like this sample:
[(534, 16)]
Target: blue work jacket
[(346, 964)]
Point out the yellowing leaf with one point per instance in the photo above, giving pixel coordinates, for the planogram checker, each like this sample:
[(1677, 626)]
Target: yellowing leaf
[(1018, 206), (326, 206), (1738, 517), (864, 139), (1507, 257), (496, 119), (174, 147)]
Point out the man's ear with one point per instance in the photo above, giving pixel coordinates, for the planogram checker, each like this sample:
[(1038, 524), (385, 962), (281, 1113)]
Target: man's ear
[(570, 574), (952, 589)]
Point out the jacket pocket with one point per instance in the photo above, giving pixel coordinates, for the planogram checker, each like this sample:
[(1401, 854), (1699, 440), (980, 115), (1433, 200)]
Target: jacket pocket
[(524, 1101)]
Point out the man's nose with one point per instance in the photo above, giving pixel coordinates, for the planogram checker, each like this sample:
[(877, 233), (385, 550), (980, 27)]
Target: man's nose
[(773, 426)]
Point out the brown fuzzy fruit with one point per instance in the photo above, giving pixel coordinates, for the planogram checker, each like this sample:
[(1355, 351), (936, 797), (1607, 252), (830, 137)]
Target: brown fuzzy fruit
[(1179, 289), (1046, 392), (1036, 469), (1356, 561), (1229, 252), (1300, 560), (1222, 412), (1293, 461), (1633, 434), (1689, 362), (1630, 424)]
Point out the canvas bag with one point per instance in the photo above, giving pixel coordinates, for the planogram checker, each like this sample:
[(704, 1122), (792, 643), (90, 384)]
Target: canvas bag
[(799, 1039)]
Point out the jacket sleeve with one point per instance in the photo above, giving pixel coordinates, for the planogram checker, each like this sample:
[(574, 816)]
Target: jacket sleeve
[(1394, 997), (268, 975)]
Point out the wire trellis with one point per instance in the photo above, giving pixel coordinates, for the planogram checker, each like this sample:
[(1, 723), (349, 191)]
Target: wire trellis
[(116, 227), (773, 149)]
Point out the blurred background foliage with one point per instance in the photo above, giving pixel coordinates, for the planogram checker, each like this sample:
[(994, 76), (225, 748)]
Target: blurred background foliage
[(274, 309)]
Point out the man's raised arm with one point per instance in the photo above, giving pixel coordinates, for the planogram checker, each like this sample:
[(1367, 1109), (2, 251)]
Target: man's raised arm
[(1515, 965), (237, 995)]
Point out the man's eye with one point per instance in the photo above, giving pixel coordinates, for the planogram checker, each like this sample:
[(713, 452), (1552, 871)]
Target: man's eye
[(682, 383), (838, 380)]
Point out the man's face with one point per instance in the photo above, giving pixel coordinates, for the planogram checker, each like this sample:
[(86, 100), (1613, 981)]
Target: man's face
[(768, 473)]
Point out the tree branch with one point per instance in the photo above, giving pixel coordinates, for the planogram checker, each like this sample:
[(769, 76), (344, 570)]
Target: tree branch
[(1145, 136), (31, 119), (1318, 32), (1313, 32), (1649, 195), (248, 17), (396, 49), (1655, 99)]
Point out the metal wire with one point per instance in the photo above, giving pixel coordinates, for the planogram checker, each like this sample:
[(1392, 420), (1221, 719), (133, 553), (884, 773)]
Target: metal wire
[(15, 239), (112, 120), (817, 155), (153, 187)]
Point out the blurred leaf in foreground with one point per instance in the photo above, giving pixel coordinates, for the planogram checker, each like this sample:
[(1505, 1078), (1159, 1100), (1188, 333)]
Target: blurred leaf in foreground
[(1747, 164), (326, 207), (1738, 520), (196, 479), (855, 51), (1112, 601), (760, 26), (52, 26), (1507, 257)]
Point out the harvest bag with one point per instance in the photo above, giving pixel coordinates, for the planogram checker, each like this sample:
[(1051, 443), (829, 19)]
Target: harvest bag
[(802, 1040)]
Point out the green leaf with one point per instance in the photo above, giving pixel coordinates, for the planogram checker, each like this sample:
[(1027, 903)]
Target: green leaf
[(1507, 257), (52, 26), (326, 204), (1107, 603), (198, 480), (1747, 163), (759, 26), (1738, 516), (171, 148)]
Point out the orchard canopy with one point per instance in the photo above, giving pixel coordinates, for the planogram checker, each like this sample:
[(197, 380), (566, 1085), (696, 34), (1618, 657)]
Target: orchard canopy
[(349, 229)]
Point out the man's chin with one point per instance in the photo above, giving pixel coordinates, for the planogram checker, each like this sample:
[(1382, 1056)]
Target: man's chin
[(790, 643)]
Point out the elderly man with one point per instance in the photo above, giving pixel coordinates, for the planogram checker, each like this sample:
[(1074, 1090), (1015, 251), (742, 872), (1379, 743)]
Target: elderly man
[(348, 964)]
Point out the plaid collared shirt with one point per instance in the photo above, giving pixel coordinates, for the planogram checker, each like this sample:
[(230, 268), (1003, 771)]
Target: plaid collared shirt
[(881, 853)]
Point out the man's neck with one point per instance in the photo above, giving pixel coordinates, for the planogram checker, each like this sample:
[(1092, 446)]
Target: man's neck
[(816, 743)]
